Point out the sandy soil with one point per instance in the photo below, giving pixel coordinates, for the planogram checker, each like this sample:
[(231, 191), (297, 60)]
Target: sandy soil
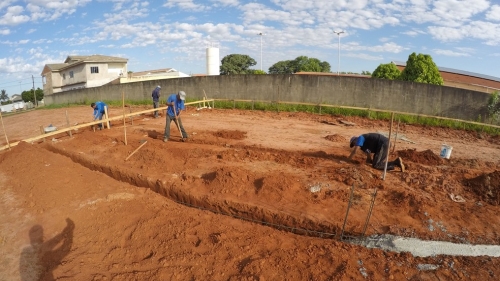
[(250, 196)]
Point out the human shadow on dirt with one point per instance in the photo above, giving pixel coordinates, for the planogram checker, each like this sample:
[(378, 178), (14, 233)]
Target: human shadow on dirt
[(324, 155), (39, 260)]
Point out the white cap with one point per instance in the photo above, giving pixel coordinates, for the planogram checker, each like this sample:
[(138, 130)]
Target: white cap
[(182, 95), (158, 87)]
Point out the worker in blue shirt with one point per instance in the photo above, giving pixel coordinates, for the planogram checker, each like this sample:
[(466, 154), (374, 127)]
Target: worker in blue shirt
[(156, 99), (175, 103), (379, 145), (98, 107)]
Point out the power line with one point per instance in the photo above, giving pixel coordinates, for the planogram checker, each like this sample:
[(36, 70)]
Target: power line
[(16, 82)]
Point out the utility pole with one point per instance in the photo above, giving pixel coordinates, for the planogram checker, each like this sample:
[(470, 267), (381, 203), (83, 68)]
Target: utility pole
[(338, 33), (34, 93), (260, 49)]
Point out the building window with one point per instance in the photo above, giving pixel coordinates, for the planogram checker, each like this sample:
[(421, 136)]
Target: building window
[(71, 74), (94, 69), (64, 75)]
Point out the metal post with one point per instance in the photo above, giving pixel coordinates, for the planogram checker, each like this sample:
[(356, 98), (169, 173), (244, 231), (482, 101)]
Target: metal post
[(388, 146), (34, 93), (261, 49), (338, 33), (369, 212), (347, 212)]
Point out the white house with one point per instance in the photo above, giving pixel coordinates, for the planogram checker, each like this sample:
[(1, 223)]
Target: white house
[(82, 72), (15, 97)]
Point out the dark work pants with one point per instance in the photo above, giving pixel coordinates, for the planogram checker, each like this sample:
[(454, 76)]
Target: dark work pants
[(168, 120), (380, 157), (156, 104)]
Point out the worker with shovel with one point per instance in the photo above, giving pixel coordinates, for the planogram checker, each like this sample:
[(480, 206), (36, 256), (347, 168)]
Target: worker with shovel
[(379, 145), (175, 103), (98, 111)]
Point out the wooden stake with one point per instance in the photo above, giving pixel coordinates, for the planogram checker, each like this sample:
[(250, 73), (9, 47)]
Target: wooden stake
[(124, 126), (106, 114), (4, 132), (388, 146), (136, 150), (42, 131), (67, 123), (131, 116)]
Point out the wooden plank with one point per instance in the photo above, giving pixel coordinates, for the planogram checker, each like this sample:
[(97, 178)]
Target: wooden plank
[(88, 125)]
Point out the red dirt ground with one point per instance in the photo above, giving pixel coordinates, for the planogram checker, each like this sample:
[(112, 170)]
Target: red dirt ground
[(251, 196)]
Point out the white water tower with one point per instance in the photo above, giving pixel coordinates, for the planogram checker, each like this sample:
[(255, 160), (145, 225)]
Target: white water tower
[(213, 61)]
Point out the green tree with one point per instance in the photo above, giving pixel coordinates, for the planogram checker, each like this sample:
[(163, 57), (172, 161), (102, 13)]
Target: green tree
[(28, 95), (494, 106), (258, 71), (237, 64), (301, 63), (387, 71), (420, 68), (366, 72), (281, 67), (4, 96)]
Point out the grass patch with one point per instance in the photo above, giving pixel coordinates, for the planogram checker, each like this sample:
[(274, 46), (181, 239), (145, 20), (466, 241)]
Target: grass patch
[(316, 109)]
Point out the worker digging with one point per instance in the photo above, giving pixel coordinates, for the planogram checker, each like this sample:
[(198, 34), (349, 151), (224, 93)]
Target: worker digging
[(378, 145), (175, 104)]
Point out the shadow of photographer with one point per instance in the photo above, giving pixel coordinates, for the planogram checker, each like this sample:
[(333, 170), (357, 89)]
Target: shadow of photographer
[(39, 260)]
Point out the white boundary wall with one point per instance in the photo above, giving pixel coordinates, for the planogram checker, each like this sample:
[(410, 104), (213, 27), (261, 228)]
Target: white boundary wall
[(13, 107)]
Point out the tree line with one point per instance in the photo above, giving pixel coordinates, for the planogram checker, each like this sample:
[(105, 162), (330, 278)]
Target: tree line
[(419, 68), (25, 95)]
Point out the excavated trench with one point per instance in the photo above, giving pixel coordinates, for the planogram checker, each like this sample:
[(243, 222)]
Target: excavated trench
[(277, 219), (240, 210)]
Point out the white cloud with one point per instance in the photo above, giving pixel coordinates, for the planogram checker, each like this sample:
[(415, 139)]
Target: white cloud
[(494, 13), (51, 10), (17, 64), (42, 41), (13, 16), (450, 53), (186, 5), (413, 32), (6, 3), (363, 56), (226, 2), (487, 32), (112, 18), (385, 48), (4, 31), (31, 30)]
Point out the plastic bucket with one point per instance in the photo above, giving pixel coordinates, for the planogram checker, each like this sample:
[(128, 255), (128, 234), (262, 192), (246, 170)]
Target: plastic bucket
[(446, 151)]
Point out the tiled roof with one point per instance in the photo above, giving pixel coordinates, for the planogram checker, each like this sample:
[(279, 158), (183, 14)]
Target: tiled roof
[(72, 60), (94, 58)]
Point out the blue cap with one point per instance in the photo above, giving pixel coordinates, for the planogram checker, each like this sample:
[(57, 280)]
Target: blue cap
[(353, 141)]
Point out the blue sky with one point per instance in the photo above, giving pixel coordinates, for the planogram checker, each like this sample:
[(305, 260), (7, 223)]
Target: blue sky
[(459, 34)]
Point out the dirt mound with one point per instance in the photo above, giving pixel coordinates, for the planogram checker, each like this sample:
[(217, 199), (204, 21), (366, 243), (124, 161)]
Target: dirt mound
[(228, 134), (335, 138), (426, 157), (486, 186)]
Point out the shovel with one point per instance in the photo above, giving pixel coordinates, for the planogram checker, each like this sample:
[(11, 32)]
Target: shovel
[(177, 123)]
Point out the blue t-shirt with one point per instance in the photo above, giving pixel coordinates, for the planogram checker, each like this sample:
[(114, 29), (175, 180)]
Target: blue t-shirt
[(99, 109), (179, 105), (361, 141)]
